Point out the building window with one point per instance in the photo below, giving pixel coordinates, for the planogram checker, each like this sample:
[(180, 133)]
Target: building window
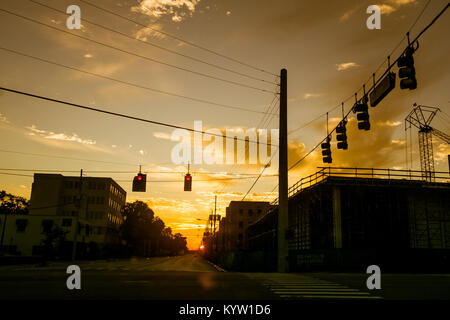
[(47, 225), (250, 212), (241, 211), (21, 225), (241, 236), (66, 222), (241, 224), (259, 211)]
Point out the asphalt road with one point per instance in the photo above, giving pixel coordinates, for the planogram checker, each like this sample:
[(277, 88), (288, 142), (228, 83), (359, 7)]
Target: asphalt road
[(190, 277)]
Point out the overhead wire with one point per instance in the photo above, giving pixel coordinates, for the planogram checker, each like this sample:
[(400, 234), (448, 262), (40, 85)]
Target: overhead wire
[(66, 157), (122, 115), (158, 46), (180, 39), (136, 54), (134, 84), (148, 181), (379, 79)]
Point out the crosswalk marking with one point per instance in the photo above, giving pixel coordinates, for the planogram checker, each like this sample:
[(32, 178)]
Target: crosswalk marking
[(295, 286), (339, 297)]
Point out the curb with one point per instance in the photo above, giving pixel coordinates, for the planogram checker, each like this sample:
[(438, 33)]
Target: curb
[(216, 266)]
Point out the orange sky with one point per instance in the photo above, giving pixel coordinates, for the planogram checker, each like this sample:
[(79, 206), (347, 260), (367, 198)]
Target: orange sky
[(326, 48)]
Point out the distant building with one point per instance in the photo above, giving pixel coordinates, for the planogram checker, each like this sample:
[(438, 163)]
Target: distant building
[(56, 200), (232, 229)]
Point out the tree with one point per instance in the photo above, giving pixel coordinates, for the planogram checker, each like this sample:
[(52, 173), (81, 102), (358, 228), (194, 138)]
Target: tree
[(11, 204), (53, 241), (137, 227), (146, 234)]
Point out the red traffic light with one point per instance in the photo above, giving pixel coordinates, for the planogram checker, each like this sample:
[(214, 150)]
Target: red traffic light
[(140, 182), (187, 182)]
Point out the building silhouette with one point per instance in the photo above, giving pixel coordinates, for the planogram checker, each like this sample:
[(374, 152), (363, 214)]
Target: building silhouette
[(87, 208), (353, 218), (231, 235)]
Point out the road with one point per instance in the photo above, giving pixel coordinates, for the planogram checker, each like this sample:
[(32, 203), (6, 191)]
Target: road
[(189, 277)]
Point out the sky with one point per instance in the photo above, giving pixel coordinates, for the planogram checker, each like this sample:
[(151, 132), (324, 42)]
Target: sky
[(328, 52)]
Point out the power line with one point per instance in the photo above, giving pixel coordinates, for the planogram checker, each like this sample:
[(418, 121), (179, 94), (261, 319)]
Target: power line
[(138, 55), (133, 84), (419, 16), (179, 39), (126, 172), (379, 79), (160, 47), (398, 44), (415, 39), (315, 119), (65, 157), (125, 116), (154, 181), (260, 175)]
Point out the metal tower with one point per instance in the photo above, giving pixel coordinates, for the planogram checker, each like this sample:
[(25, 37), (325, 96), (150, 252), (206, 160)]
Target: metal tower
[(421, 117)]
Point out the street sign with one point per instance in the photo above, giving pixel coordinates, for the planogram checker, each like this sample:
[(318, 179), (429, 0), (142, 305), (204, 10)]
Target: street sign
[(382, 89)]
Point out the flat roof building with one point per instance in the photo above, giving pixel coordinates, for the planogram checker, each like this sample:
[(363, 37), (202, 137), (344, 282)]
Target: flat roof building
[(92, 203)]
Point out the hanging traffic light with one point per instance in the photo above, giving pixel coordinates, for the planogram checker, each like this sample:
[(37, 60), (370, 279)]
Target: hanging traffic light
[(187, 182), (362, 114), (326, 151), (406, 71), (140, 183), (341, 135)]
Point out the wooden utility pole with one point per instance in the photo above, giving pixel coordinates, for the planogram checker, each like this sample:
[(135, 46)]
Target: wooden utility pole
[(79, 206), (283, 252)]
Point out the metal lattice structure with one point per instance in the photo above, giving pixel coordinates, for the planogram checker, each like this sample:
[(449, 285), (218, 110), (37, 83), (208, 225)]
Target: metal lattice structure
[(421, 117)]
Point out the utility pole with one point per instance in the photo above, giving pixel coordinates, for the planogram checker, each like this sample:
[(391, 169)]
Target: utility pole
[(215, 217), (283, 179), (79, 206), (215, 209), (3, 232)]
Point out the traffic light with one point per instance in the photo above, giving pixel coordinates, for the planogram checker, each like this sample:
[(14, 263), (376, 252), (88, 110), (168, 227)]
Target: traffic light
[(362, 114), (406, 71), (140, 182), (187, 182), (341, 135), (326, 151)]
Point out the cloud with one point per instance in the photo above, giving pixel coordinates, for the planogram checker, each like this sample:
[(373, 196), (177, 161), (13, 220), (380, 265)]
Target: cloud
[(398, 142), (59, 136), (176, 9), (3, 118), (162, 135), (311, 95), (346, 65), (348, 14), (389, 123), (402, 2), (151, 30), (386, 9), (442, 152)]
